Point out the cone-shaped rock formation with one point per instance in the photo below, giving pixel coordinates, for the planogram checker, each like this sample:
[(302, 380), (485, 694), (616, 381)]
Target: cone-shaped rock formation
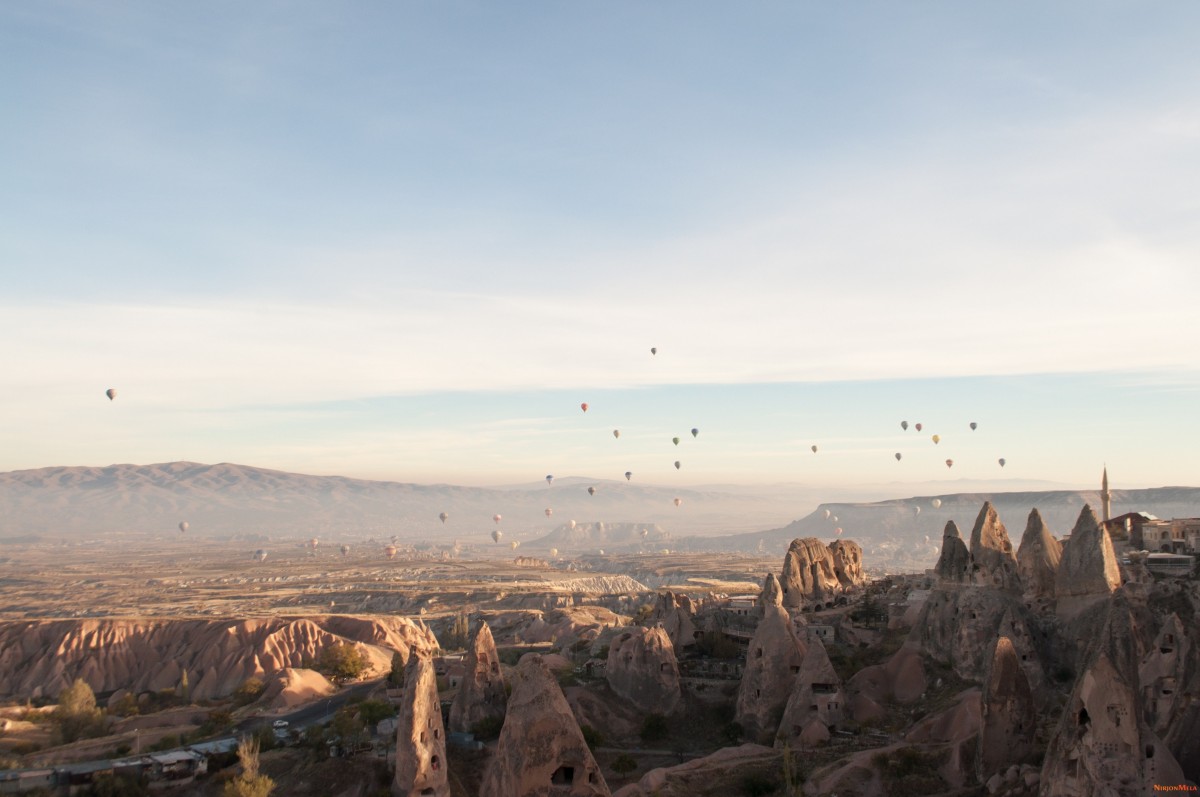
[(773, 661), (642, 669), (1088, 572), (541, 750), (1038, 558), (817, 704), (1009, 714), (992, 561), (954, 562), (420, 739), (481, 695)]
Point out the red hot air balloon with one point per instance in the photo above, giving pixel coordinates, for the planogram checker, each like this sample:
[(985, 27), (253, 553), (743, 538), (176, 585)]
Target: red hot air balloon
[(583, 406), (918, 427)]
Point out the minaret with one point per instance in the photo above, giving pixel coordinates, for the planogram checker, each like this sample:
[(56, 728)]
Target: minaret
[(1106, 496)]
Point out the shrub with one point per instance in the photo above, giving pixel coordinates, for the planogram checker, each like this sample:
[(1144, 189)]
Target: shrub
[(592, 736), (624, 764), (250, 690), (654, 728), (342, 662)]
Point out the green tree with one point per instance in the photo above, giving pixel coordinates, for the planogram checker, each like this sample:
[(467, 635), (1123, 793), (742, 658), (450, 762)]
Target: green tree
[(459, 634), (250, 783), (250, 690), (654, 728), (372, 711), (396, 676), (77, 715), (624, 764), (342, 662), (347, 729)]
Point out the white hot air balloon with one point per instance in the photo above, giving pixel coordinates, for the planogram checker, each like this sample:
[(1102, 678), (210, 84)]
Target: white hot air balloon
[(834, 519), (514, 545), (183, 526), (571, 524), (442, 517), (497, 535), (645, 533), (591, 491), (345, 549), (827, 514), (916, 510), (678, 501), (111, 393), (937, 503), (549, 511)]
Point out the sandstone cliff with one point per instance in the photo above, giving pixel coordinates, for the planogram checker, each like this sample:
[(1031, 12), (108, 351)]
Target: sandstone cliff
[(675, 613), (42, 657), (847, 563), (809, 573), (954, 562), (642, 669), (541, 750)]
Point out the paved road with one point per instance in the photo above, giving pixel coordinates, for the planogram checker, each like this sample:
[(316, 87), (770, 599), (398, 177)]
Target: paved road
[(314, 713)]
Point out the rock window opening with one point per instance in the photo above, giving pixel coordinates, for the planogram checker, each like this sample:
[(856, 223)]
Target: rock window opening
[(1084, 719), (435, 763), (1149, 751), (758, 653), (437, 734), (665, 666), (424, 737), (795, 668), (427, 790), (563, 776), (591, 777)]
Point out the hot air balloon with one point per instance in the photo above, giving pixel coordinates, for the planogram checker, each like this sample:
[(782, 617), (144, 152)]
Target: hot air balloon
[(549, 511), (571, 523), (916, 510), (645, 533), (390, 551), (937, 503), (973, 425), (617, 433), (898, 457), (838, 531), (496, 518), (936, 439), (583, 406), (926, 539), (675, 440), (591, 491), (917, 427), (496, 535), (677, 465), (260, 555), (549, 478), (111, 393), (628, 475), (313, 543), (904, 425), (949, 463), (602, 552), (814, 449), (654, 350), (442, 517), (827, 514), (553, 552), (834, 518), (695, 433), (183, 526), (1001, 461), (678, 501), (514, 545), (345, 549)]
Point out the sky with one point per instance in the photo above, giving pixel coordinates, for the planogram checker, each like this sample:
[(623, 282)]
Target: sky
[(406, 240)]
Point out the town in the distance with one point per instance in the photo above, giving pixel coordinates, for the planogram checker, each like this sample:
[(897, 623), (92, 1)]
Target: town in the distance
[(1024, 643)]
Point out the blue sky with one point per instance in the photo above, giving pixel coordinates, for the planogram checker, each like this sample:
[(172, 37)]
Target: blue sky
[(405, 240)]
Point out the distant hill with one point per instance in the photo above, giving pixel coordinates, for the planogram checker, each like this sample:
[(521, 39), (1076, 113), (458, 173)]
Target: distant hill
[(228, 499), (894, 531)]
